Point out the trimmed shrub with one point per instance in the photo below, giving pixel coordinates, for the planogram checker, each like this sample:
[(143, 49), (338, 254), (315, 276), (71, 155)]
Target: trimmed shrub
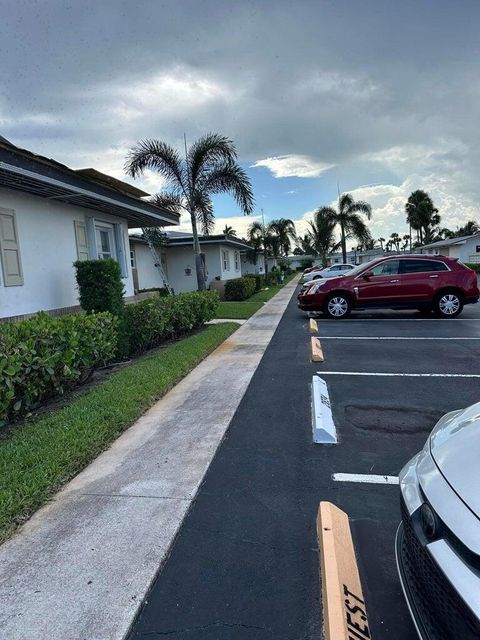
[(273, 278), (475, 266), (259, 280), (100, 285), (150, 322), (42, 357), (305, 263), (239, 288)]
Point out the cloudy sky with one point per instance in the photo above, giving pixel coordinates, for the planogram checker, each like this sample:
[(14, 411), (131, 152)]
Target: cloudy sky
[(379, 96)]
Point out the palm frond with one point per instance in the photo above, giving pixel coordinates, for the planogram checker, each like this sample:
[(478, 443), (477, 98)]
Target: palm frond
[(168, 200), (328, 213), (203, 207), (361, 207), (230, 178), (355, 227), (158, 156), (207, 152)]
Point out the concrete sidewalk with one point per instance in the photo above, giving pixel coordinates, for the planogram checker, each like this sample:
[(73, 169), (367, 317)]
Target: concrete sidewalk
[(80, 568)]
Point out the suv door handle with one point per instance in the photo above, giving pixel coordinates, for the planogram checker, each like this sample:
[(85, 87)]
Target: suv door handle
[(393, 280), (433, 276)]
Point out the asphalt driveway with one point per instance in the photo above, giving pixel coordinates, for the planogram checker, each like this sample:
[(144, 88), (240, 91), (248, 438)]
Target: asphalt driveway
[(245, 562)]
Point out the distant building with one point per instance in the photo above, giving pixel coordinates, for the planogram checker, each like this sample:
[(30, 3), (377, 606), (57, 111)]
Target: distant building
[(222, 254), (465, 248)]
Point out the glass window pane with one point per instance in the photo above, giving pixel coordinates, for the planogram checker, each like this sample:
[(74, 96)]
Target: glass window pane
[(388, 268)]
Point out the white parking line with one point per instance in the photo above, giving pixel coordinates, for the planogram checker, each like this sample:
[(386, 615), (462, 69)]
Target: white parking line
[(401, 375), (366, 478), (391, 338)]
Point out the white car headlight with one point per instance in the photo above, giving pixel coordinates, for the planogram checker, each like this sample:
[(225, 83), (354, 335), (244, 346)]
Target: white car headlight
[(315, 287)]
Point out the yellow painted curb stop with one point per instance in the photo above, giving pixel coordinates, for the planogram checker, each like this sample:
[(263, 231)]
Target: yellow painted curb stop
[(317, 352), (313, 326), (344, 611)]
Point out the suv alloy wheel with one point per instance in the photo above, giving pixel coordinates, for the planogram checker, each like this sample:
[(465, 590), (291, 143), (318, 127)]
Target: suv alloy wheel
[(448, 304), (338, 306)]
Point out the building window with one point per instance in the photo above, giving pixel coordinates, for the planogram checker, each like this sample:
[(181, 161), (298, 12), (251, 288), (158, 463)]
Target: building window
[(237, 261), (226, 260), (477, 248), (105, 242), (133, 263)]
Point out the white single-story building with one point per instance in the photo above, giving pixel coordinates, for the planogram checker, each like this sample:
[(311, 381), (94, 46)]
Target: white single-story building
[(223, 256), (465, 248), (51, 216)]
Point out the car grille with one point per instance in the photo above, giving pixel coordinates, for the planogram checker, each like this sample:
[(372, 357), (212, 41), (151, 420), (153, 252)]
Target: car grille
[(443, 613)]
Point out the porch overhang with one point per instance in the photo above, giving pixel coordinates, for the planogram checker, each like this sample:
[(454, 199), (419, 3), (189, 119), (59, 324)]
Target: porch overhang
[(22, 171)]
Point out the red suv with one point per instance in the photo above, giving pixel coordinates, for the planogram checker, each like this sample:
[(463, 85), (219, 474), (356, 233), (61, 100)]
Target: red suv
[(437, 283)]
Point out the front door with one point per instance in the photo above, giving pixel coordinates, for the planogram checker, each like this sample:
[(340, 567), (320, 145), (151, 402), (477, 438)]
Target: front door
[(382, 286)]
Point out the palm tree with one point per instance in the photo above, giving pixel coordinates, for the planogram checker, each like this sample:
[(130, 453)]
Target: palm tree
[(262, 239), (322, 234), (351, 224), (422, 216), (406, 241), (395, 240), (210, 166), (381, 241), (305, 244), (285, 230), (229, 231), (469, 229)]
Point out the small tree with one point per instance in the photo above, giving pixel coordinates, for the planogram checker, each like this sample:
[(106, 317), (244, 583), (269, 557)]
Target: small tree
[(209, 167), (100, 286)]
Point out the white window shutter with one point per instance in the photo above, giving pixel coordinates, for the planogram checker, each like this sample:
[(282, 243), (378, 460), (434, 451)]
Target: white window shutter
[(120, 246), (81, 240), (10, 249), (91, 239)]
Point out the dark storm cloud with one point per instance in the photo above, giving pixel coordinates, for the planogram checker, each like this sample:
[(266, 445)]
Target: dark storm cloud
[(339, 82)]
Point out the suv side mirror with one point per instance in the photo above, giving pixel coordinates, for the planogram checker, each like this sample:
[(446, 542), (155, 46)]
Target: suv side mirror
[(367, 275)]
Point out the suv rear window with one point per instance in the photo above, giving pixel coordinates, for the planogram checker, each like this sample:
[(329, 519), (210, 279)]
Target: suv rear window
[(421, 266)]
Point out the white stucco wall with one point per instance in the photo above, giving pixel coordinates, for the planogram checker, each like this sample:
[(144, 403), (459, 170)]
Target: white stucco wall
[(177, 259), (46, 237), (148, 275), (249, 267)]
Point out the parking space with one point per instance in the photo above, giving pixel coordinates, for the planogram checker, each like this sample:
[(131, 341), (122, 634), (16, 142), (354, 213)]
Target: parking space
[(383, 420), (245, 562)]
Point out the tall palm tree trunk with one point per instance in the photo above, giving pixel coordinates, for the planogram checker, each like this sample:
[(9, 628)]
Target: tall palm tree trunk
[(199, 256), (344, 244)]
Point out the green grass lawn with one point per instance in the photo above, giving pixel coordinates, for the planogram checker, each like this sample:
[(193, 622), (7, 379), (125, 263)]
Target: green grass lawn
[(237, 310), (42, 454), (243, 310)]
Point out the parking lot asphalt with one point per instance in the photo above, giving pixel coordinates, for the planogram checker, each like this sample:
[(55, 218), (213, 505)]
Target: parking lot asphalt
[(245, 563)]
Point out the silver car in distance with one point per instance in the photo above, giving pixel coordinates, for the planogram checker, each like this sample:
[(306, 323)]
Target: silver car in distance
[(438, 540)]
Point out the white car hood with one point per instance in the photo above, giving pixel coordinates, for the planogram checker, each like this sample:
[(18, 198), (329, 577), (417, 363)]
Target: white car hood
[(455, 447)]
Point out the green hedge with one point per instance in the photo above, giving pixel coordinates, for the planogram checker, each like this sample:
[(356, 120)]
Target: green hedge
[(239, 288), (100, 285), (273, 278), (42, 357), (259, 280), (473, 265), (151, 322)]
